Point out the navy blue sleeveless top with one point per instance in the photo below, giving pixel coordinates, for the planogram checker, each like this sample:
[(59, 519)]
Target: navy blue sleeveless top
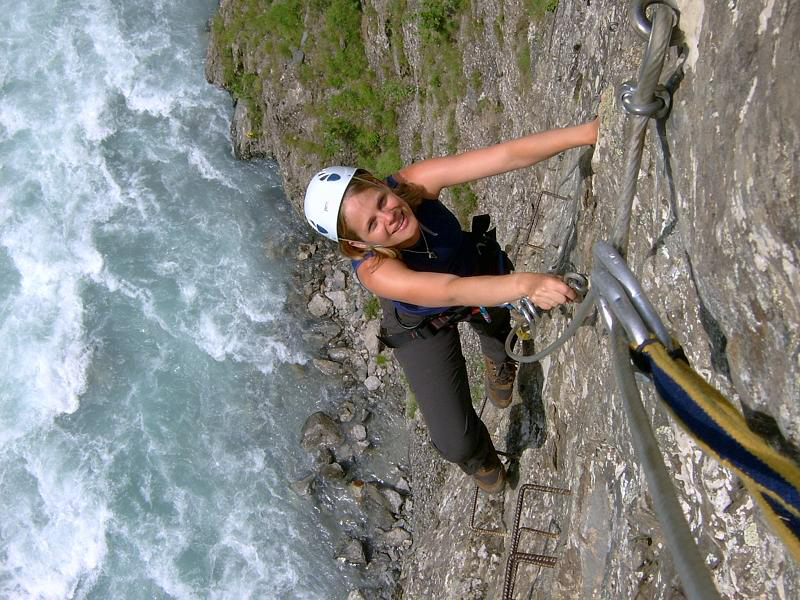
[(453, 250)]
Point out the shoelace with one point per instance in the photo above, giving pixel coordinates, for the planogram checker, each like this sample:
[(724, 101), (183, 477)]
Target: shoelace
[(504, 373)]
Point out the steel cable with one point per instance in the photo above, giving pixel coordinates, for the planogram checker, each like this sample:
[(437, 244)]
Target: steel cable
[(652, 63), (695, 577), (644, 93)]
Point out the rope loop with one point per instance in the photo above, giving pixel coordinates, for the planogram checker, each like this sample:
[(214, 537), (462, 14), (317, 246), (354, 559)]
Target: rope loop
[(643, 25)]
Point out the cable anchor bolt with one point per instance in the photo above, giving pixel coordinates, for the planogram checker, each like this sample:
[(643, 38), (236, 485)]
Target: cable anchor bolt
[(658, 108)]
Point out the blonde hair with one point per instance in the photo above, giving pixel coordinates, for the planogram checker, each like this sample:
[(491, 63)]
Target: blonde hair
[(362, 180)]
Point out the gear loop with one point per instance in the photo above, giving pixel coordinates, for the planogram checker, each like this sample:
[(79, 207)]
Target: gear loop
[(642, 25)]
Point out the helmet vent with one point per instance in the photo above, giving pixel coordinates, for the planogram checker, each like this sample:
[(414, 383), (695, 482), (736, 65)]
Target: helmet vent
[(329, 177), (319, 228)]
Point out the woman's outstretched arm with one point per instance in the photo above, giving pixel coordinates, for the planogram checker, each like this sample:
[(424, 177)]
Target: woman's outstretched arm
[(437, 173), (394, 280)]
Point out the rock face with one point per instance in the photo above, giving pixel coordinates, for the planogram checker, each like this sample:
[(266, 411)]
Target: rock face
[(715, 240)]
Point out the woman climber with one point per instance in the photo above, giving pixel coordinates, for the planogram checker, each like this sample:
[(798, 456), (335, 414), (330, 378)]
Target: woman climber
[(410, 251)]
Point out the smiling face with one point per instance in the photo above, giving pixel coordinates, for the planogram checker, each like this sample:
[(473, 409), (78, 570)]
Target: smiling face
[(379, 217)]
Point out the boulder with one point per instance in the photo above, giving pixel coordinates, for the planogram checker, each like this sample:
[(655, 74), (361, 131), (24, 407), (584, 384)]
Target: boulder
[(359, 432), (396, 537), (332, 471), (340, 354), (369, 335), (372, 383), (352, 552), (320, 431), (319, 306), (328, 367), (394, 501), (304, 486), (339, 299)]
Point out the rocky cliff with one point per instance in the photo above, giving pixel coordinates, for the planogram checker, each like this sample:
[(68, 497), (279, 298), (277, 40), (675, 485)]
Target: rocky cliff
[(715, 240)]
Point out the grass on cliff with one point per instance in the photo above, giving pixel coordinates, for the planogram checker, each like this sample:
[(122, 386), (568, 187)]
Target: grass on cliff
[(356, 116)]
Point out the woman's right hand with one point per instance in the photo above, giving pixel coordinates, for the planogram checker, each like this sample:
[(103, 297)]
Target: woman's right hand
[(545, 291)]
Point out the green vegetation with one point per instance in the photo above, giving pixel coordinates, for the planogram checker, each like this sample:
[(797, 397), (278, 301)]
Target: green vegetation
[(497, 26), (357, 119), (411, 403), (439, 23), (464, 202), (381, 360), (371, 307), (452, 132), (436, 19), (539, 8), (522, 54), (476, 80)]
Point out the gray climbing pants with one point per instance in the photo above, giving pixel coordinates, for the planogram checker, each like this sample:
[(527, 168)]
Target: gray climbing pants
[(437, 374)]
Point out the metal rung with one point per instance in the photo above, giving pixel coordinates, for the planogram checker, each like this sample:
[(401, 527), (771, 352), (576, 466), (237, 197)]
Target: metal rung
[(516, 557)]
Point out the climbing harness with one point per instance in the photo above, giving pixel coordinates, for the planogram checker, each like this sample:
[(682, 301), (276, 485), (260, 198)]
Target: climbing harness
[(427, 327), (639, 339)]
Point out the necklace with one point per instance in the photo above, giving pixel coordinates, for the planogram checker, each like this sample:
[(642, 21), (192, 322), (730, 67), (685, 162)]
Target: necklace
[(428, 251)]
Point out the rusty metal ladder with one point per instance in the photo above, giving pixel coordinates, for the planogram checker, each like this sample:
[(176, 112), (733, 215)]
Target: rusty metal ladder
[(516, 556)]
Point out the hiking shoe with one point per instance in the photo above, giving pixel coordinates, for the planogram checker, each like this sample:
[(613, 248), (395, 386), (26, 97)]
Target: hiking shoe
[(500, 381), (492, 477)]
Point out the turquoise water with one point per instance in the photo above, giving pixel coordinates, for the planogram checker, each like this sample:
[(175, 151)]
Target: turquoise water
[(149, 413)]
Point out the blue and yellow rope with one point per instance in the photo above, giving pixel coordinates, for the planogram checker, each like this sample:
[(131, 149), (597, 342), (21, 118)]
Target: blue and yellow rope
[(721, 431)]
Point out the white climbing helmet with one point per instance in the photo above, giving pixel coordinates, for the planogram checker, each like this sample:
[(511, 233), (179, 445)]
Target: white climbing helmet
[(324, 196)]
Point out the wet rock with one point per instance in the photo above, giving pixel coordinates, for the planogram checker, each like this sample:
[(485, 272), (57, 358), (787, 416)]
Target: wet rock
[(359, 432), (328, 367), (340, 354), (357, 489), (320, 430), (299, 370), (352, 552), (304, 486), (327, 328), (322, 457), (315, 340), (332, 471)]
